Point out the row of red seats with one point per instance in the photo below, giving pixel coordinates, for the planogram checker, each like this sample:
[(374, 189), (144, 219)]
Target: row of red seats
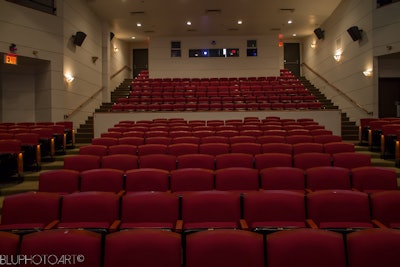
[(169, 162), (260, 211), (223, 248), (156, 145), (365, 179), (214, 106)]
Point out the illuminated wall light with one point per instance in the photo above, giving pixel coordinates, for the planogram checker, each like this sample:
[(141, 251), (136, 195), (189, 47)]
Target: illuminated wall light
[(313, 45), (116, 49), (139, 24), (240, 22), (290, 22), (338, 55), (68, 77), (367, 72), (294, 34), (188, 23)]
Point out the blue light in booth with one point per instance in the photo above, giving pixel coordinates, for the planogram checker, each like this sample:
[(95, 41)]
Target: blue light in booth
[(205, 53)]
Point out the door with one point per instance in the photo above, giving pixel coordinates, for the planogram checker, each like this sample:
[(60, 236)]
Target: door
[(389, 97), (291, 56), (140, 60)]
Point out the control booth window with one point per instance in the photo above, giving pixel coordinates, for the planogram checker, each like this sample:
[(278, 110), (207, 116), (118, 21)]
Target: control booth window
[(220, 52)]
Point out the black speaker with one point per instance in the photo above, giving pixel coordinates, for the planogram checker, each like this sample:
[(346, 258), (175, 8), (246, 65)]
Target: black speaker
[(355, 33), (111, 35), (319, 33), (79, 37)]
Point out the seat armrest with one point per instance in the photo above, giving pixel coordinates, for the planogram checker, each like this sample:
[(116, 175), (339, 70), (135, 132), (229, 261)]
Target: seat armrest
[(51, 225), (378, 224), (179, 226), (114, 226), (311, 224), (243, 224)]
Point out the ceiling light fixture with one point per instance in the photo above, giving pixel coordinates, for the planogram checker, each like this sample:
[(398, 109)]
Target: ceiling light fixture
[(240, 22), (188, 23), (133, 37), (139, 24), (68, 77), (294, 34), (290, 22)]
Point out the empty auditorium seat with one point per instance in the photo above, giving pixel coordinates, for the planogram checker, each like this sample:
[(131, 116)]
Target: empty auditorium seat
[(277, 148), (234, 160), (238, 179), (105, 179), (327, 177), (299, 148), (96, 150), (214, 149), (268, 160), (82, 162), (183, 148), (159, 161), (122, 149), (191, 179), (146, 179), (274, 210), (149, 210), (61, 181), (224, 248), (73, 246), (31, 211), (210, 209), (351, 160), (9, 245), (283, 178), (204, 161), (122, 162), (312, 159), (305, 248), (373, 247), (98, 211), (247, 148), (144, 247), (105, 141), (338, 147), (339, 210), (385, 208), (372, 179)]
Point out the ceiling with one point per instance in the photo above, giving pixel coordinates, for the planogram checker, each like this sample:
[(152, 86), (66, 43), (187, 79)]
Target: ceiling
[(212, 17)]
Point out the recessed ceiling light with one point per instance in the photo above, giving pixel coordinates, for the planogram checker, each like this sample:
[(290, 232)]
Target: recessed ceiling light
[(189, 23), (294, 35), (290, 22), (240, 22), (133, 37), (139, 24)]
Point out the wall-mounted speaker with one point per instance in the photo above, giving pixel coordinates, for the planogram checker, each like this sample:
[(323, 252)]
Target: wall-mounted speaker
[(355, 33), (319, 33), (111, 35), (79, 37)]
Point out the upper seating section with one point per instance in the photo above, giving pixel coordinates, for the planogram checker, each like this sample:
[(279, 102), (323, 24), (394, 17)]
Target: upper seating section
[(244, 93)]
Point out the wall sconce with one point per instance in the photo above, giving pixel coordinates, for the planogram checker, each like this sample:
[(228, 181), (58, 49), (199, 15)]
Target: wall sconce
[(115, 49), (313, 45), (69, 78), (367, 72), (338, 55)]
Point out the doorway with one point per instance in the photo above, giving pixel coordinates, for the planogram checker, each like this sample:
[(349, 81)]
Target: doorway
[(389, 97), (291, 56), (140, 60)]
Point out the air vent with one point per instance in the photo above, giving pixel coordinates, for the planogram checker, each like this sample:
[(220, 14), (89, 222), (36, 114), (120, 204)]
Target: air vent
[(137, 13), (213, 11), (287, 10)]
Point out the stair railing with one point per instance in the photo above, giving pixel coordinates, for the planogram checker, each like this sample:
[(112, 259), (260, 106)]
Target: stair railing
[(84, 103), (95, 93), (121, 70), (337, 89)]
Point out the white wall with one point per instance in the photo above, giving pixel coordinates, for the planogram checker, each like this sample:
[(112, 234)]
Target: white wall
[(40, 35), (267, 63), (380, 28)]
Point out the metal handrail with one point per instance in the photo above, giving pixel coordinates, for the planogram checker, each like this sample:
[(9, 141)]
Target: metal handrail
[(84, 103), (96, 93), (337, 89), (121, 70)]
